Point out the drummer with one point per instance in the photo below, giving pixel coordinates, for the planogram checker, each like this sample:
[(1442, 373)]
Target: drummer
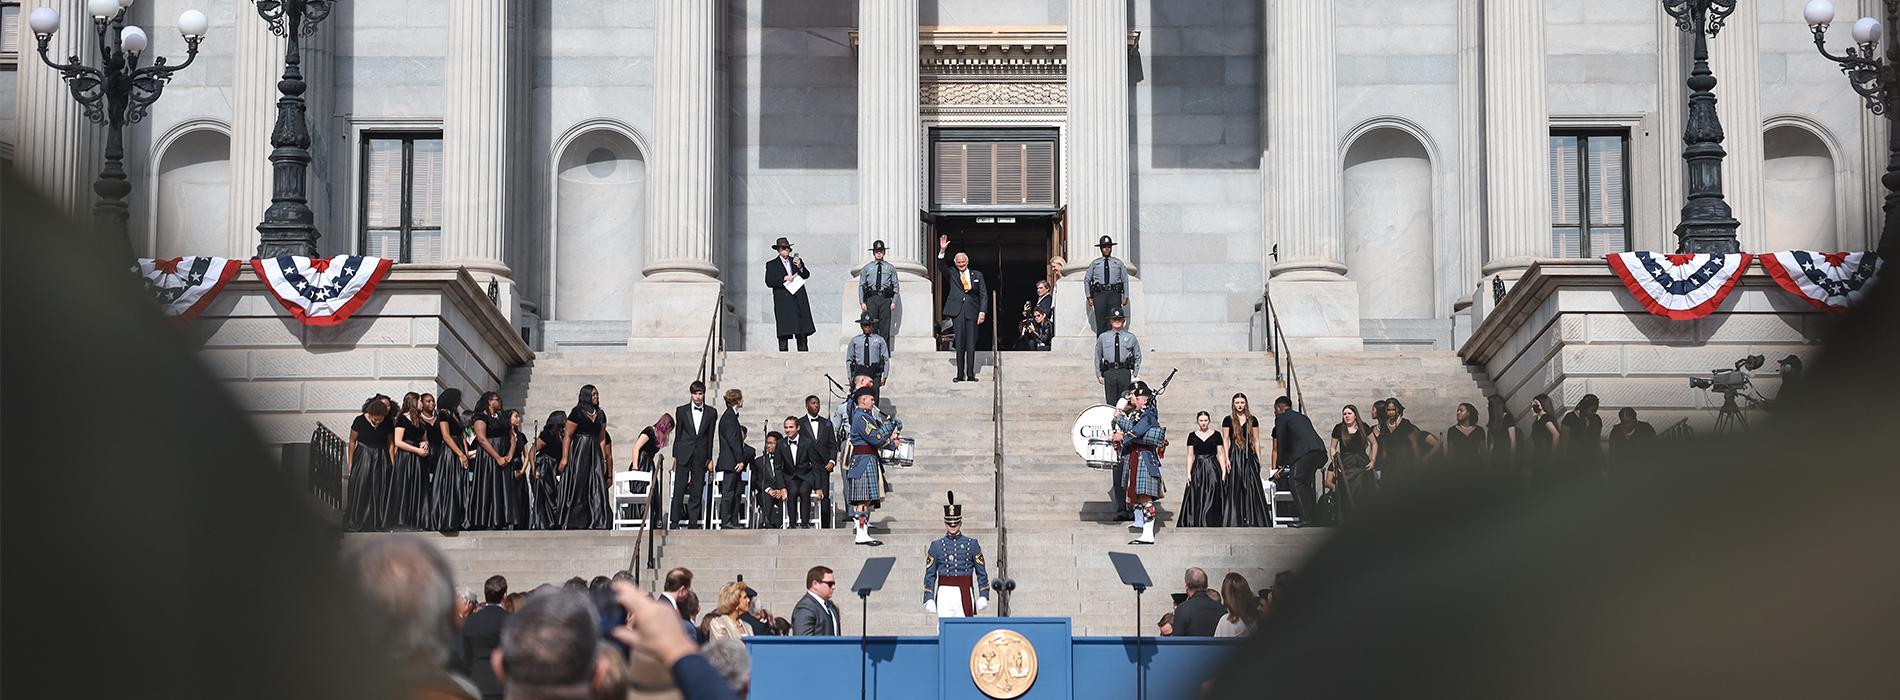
[(1140, 435), (868, 433)]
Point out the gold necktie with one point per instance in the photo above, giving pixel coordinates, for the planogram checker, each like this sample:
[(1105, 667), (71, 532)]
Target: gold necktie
[(966, 280)]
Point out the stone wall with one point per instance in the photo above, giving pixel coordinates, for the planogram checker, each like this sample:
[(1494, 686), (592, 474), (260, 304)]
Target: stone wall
[(1570, 328), (423, 331)]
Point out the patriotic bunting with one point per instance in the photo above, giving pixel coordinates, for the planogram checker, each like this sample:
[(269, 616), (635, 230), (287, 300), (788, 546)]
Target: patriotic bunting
[(1830, 281), (184, 286), (321, 291), (1679, 286)]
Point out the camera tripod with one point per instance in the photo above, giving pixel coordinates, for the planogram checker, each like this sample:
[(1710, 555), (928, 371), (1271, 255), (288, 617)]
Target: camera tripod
[(1730, 418)]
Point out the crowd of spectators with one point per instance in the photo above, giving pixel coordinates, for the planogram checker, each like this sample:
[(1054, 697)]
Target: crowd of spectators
[(1235, 610)]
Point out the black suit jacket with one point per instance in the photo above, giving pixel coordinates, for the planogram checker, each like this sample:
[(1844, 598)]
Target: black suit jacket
[(822, 433), (731, 443), (810, 461), (766, 472), (481, 636), (1197, 616), (957, 302), (692, 442), (791, 312)]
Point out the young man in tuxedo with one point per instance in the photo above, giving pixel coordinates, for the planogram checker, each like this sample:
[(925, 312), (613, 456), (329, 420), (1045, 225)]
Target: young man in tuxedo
[(692, 456)]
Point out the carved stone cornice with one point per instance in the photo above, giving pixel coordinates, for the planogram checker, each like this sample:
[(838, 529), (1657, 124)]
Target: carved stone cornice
[(1016, 54)]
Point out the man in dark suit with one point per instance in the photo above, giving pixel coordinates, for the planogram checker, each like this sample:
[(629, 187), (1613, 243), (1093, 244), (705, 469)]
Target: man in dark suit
[(966, 302), (768, 482), (1296, 455), (734, 458), (815, 615), (692, 455), (1046, 303), (824, 433), (804, 462), (790, 309), (481, 636), (1198, 614)]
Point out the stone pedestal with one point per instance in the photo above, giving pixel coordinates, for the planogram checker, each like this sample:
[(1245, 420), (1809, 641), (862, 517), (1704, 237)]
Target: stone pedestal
[(673, 315), (1318, 310)]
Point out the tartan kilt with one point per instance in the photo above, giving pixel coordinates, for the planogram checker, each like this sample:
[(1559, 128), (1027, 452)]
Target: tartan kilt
[(1147, 478), (860, 480)]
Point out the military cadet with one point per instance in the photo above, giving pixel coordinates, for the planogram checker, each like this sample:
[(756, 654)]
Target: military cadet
[(1139, 433), (1117, 358), (868, 433), (956, 583), (868, 354), (1107, 282), (877, 291)]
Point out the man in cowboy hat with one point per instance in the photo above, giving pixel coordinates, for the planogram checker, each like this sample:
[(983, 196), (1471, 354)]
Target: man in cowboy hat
[(956, 583), (877, 291), (1140, 435), (790, 309), (966, 303), (868, 354), (1107, 282)]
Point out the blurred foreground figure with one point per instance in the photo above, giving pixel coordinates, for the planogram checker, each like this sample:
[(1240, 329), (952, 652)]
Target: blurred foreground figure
[(1761, 565)]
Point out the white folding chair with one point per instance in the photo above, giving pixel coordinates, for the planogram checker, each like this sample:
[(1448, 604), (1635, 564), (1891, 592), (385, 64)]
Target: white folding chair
[(624, 496), (1280, 504)]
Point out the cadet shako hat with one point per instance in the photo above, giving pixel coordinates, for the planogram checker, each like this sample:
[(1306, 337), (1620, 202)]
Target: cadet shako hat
[(783, 243), (952, 512), (1141, 389), (877, 246), (1106, 242)]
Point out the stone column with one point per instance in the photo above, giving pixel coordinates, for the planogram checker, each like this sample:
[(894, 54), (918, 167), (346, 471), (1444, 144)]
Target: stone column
[(257, 61), (477, 160), (1517, 138), (1735, 58), (890, 166), (57, 149), (1098, 156), (1470, 168), (680, 288), (1300, 179)]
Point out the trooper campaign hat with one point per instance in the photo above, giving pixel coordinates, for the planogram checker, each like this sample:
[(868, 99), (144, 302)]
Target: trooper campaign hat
[(866, 320), (877, 246), (1106, 242), (1116, 314), (952, 511)]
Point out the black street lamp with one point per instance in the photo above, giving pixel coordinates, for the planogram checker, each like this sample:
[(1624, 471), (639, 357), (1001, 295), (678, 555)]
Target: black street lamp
[(116, 93), (289, 228), (1708, 225), (1873, 79)]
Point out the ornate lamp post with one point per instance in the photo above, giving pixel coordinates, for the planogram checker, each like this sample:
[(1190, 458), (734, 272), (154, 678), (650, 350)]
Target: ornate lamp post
[(289, 228), (1708, 225), (116, 93), (1873, 78)]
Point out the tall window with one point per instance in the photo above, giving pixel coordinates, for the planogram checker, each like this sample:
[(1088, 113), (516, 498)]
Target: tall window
[(402, 197), (1589, 193), (9, 33), (1012, 169)]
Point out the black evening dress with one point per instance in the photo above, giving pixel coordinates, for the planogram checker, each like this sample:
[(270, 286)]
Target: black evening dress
[(584, 503), (1354, 484), (1537, 463), (488, 509), (544, 489), (1398, 455), (371, 476), (407, 496), (647, 461), (445, 506), (1244, 496), (1201, 500), (1583, 443), (1466, 451), (517, 482)]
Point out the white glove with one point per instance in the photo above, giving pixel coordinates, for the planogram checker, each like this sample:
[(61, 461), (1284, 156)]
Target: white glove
[(930, 606), (982, 603)]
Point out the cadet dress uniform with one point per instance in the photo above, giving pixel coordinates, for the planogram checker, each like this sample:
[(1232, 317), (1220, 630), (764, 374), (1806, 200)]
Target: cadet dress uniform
[(868, 434), (1107, 283), (877, 291), (1142, 437), (868, 355), (956, 583), (1117, 361)]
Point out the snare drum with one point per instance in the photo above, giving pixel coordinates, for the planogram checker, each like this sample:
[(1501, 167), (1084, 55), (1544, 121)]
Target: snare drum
[(898, 455), (1101, 454)]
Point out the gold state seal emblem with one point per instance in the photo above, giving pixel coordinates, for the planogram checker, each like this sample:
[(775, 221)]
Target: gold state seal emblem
[(1003, 664)]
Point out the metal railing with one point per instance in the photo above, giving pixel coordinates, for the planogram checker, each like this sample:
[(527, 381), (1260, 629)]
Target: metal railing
[(1283, 367), (325, 476), (715, 342), (996, 413), (1679, 429)]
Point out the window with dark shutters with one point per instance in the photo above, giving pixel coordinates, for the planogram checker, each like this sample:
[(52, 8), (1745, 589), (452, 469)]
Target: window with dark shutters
[(1012, 169)]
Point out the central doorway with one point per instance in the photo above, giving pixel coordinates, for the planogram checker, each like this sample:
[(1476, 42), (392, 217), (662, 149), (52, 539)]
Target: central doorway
[(1012, 252)]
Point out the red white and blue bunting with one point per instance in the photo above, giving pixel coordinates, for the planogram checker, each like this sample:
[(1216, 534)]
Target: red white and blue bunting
[(185, 286), (1830, 281), (321, 291), (1679, 286)]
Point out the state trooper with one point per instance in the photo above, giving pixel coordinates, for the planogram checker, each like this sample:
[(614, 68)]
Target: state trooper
[(877, 291), (956, 582), (1117, 358), (869, 354), (1107, 284)]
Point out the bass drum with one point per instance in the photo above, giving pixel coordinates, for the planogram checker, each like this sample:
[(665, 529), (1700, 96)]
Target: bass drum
[(1093, 428)]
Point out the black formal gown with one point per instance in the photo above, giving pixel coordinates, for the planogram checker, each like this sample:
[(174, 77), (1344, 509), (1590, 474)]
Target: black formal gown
[(1398, 455), (488, 508), (409, 476), (584, 503), (1201, 502), (544, 488), (647, 461), (1354, 484), (1246, 498), (446, 505), (1466, 451), (517, 482), (371, 478), (1583, 443)]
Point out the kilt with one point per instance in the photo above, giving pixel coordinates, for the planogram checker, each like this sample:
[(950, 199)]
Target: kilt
[(1144, 474), (860, 480)]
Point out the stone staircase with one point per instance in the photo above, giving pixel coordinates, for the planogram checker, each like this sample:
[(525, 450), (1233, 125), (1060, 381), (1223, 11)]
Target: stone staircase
[(1431, 384)]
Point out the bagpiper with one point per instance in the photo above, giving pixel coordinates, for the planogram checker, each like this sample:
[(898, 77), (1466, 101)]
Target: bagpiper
[(1140, 435), (954, 570), (868, 434)]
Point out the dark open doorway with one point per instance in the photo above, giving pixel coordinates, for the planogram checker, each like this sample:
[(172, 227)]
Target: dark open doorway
[(1012, 252)]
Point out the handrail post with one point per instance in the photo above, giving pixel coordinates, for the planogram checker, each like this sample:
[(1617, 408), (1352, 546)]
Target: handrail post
[(996, 423)]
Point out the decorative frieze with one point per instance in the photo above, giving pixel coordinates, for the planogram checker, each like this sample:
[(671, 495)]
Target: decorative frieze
[(1028, 94)]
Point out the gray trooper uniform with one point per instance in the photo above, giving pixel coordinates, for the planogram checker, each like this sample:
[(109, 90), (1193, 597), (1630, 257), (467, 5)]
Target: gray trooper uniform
[(1117, 361), (877, 290), (868, 355), (1107, 285)]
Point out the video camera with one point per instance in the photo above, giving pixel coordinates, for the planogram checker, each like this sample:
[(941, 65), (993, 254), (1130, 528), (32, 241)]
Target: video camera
[(1729, 380)]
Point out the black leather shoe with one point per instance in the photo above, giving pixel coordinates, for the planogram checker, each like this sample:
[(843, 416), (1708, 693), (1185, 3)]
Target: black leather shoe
[(1124, 517)]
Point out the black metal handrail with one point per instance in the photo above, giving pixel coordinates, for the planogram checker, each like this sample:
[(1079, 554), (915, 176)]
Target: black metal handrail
[(996, 421), (326, 467), (1277, 345), (715, 341), (1679, 429)]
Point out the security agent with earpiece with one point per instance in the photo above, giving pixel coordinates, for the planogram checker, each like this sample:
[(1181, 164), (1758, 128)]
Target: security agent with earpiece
[(956, 583)]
